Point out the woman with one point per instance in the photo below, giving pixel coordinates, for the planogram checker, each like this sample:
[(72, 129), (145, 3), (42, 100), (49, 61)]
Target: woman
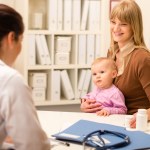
[(132, 58), (18, 118)]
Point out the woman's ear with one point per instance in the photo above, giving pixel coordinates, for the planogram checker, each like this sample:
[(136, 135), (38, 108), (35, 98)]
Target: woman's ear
[(11, 38)]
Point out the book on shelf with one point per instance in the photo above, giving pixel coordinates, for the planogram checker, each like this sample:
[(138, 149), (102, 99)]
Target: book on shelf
[(76, 14), (84, 14), (82, 49), (41, 58), (90, 48), (82, 75), (45, 49), (86, 83), (67, 14), (55, 84), (52, 15), (31, 50), (66, 86)]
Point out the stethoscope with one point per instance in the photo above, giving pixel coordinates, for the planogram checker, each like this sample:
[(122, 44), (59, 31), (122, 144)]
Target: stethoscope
[(99, 143)]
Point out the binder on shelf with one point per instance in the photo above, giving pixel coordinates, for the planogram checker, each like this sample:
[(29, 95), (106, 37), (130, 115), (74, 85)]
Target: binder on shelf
[(82, 49), (45, 49), (60, 15), (94, 15), (98, 50), (52, 15), (77, 132), (90, 48), (76, 14), (66, 85), (67, 14), (84, 14), (31, 50), (41, 57), (91, 86), (80, 83), (86, 83), (55, 90)]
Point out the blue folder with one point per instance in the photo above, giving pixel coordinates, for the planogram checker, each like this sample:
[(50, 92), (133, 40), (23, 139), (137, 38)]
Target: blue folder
[(76, 133)]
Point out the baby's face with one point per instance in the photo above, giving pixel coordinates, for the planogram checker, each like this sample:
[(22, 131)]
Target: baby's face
[(103, 75)]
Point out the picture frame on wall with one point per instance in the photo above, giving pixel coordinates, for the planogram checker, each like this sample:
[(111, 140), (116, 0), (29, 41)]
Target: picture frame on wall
[(113, 3)]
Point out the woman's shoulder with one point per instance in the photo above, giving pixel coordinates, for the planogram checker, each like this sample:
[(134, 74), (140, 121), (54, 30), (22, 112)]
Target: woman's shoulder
[(10, 76), (139, 52), (140, 55), (140, 60)]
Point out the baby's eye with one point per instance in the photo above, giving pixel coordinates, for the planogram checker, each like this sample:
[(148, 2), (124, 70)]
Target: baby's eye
[(102, 72), (94, 74)]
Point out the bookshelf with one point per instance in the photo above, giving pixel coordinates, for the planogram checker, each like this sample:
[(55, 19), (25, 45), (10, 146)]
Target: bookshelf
[(76, 26)]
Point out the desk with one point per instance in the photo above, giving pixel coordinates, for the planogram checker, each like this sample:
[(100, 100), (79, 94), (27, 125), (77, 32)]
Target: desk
[(53, 122)]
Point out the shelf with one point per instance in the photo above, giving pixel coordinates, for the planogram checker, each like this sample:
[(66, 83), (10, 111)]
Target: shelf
[(62, 102), (71, 49)]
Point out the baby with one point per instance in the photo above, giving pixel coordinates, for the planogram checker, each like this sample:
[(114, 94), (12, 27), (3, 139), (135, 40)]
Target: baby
[(112, 101)]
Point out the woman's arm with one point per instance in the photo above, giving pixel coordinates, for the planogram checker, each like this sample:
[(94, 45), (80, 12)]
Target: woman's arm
[(89, 105)]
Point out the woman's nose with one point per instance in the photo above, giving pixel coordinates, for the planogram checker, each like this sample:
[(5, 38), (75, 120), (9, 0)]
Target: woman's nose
[(116, 27)]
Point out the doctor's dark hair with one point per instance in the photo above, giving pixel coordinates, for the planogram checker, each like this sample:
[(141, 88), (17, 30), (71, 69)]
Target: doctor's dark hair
[(10, 21)]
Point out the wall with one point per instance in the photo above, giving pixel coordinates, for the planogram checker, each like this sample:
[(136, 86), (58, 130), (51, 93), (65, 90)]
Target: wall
[(145, 7)]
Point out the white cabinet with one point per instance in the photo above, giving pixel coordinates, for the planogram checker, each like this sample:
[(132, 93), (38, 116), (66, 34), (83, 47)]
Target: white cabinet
[(75, 35)]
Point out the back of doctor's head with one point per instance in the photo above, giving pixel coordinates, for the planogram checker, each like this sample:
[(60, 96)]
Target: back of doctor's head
[(10, 21)]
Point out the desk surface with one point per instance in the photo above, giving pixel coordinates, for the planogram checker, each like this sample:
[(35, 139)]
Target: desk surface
[(53, 122)]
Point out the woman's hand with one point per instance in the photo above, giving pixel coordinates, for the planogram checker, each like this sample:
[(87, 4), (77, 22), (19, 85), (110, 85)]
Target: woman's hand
[(8, 140), (89, 106), (133, 121)]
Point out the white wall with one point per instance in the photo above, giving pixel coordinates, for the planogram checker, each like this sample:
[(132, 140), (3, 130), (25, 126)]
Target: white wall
[(145, 8)]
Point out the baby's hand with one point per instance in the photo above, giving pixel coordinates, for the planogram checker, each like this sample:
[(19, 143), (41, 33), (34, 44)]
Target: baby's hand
[(103, 112)]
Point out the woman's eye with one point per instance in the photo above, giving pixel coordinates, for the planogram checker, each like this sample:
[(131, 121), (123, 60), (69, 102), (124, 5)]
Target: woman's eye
[(123, 24), (112, 22)]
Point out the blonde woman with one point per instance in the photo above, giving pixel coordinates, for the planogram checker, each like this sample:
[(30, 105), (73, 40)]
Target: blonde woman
[(132, 58)]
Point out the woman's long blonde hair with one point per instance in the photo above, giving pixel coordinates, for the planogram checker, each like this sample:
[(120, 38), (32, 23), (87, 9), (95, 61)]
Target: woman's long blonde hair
[(128, 11)]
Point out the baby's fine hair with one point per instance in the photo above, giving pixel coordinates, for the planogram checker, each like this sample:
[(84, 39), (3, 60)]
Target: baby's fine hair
[(110, 61)]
